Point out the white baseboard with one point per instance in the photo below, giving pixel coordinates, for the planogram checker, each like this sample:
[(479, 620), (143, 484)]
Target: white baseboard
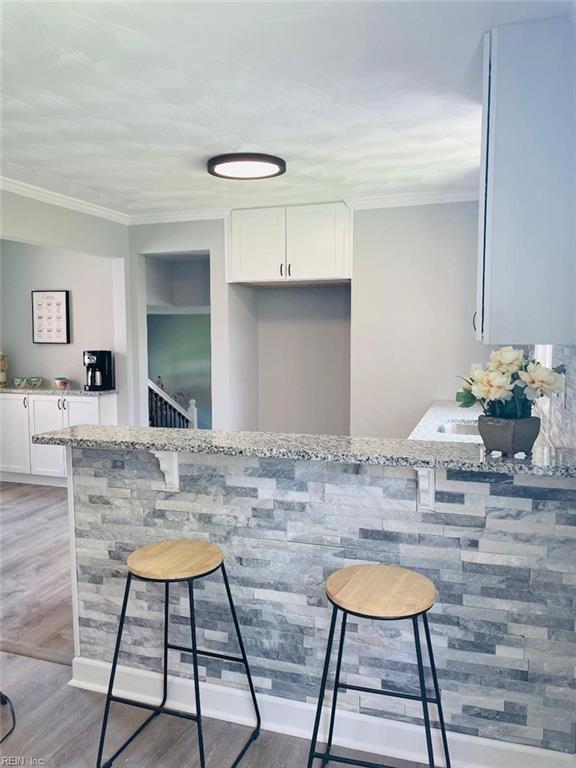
[(362, 732), (19, 477)]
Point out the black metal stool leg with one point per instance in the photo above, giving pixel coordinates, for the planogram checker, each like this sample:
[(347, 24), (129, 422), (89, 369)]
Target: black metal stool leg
[(336, 684), (312, 753), (196, 676), (256, 730), (113, 671), (436, 690), (423, 693), (166, 627)]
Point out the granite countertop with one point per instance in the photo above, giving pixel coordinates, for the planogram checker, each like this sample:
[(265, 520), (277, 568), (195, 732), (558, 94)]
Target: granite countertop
[(350, 450), (58, 392), (446, 412)]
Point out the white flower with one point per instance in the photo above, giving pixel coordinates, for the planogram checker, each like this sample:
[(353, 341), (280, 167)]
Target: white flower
[(491, 385), (506, 360), (540, 381)]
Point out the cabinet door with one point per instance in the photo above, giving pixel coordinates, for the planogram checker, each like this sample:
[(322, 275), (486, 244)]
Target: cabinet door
[(258, 245), (80, 410), (318, 242), (46, 414), (527, 270), (14, 435)]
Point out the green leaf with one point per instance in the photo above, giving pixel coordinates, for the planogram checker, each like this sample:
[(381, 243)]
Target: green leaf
[(465, 398)]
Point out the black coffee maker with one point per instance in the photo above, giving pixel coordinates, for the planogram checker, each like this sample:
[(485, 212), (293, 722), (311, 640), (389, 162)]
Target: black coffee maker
[(99, 370)]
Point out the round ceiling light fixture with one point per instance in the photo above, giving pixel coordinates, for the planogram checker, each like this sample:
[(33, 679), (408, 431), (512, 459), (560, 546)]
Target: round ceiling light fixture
[(246, 165)]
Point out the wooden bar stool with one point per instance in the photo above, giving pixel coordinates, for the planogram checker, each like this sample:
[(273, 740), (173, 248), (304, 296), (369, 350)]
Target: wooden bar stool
[(383, 593), (168, 562)]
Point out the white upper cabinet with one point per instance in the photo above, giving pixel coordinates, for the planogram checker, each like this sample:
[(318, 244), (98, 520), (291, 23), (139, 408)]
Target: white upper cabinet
[(14, 441), (527, 259), (258, 245), (318, 242), (295, 244)]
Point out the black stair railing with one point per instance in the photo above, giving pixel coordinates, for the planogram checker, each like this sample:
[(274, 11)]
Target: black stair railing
[(163, 411)]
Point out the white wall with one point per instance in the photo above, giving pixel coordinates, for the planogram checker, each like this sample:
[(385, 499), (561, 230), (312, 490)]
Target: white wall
[(413, 298), (38, 223), (179, 283), (90, 279), (192, 283), (32, 221), (304, 359)]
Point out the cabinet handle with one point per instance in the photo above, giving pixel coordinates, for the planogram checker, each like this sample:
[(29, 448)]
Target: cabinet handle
[(289, 270), (25, 402), (59, 403), (63, 403), (281, 270), (474, 316)]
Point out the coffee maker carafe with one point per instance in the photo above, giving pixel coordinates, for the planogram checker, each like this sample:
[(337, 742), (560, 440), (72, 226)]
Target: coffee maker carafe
[(99, 370)]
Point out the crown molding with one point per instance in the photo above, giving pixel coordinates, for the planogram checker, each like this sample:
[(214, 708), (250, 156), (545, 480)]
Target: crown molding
[(355, 203), (405, 199), (172, 218), (73, 204), (63, 201)]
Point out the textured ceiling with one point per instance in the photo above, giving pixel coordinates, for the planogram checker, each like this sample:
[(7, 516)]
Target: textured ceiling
[(121, 104)]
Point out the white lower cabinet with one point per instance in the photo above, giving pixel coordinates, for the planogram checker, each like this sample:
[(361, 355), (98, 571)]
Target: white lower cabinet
[(46, 414), (14, 435), (81, 410), (25, 415)]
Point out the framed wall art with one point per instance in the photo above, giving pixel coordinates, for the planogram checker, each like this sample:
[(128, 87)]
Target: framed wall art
[(51, 317)]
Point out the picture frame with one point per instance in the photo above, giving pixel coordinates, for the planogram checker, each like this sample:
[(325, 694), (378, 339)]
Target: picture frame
[(51, 317)]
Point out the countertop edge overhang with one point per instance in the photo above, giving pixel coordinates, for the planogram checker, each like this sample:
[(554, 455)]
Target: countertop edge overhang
[(418, 454)]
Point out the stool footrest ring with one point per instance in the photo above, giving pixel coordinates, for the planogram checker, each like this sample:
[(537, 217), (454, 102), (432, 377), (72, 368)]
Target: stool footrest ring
[(155, 708), (393, 694), (211, 654)]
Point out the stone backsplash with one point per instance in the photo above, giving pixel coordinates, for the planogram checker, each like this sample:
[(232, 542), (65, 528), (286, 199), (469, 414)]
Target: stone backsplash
[(559, 423), (500, 548)]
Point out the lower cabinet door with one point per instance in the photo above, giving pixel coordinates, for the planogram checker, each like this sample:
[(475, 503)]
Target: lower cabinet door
[(14, 436), (80, 410), (46, 414)]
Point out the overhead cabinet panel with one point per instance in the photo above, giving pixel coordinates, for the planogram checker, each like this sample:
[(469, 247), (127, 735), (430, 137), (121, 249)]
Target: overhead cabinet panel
[(317, 242), (527, 263), (295, 244), (258, 245)]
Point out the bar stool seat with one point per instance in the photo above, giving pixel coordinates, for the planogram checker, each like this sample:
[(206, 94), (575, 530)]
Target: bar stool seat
[(380, 591), (175, 560)]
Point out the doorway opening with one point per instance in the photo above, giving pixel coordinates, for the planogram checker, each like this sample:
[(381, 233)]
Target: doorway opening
[(179, 345)]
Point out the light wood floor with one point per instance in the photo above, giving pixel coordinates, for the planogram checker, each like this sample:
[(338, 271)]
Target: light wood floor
[(60, 725), (35, 596)]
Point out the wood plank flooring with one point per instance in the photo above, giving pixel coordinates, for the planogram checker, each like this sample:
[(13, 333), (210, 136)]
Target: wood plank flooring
[(35, 591), (60, 726)]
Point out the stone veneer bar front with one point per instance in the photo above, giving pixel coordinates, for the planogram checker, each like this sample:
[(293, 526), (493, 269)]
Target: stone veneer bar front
[(497, 538)]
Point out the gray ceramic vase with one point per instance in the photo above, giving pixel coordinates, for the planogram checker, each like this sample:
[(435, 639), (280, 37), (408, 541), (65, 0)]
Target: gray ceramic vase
[(510, 436)]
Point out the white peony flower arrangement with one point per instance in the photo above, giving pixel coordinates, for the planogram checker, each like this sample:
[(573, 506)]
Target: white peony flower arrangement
[(510, 384)]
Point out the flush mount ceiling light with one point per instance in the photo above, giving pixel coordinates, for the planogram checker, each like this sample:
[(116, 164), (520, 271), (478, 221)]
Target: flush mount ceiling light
[(246, 165)]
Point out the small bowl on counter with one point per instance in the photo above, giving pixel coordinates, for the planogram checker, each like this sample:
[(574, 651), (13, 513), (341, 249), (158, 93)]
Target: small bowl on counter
[(35, 382), (62, 382), (20, 382)]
